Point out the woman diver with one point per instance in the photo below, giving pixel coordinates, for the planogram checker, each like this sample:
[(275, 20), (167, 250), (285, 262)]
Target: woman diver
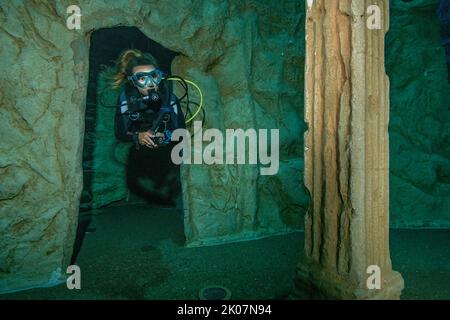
[(147, 112)]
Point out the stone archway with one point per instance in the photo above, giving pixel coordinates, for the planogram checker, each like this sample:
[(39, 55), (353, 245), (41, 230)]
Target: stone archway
[(225, 47)]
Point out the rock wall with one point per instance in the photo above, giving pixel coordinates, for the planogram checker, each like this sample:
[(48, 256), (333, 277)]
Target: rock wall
[(247, 57), (42, 95), (419, 117), (110, 156)]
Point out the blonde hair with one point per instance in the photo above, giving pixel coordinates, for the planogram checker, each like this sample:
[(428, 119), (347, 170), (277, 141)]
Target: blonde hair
[(127, 60)]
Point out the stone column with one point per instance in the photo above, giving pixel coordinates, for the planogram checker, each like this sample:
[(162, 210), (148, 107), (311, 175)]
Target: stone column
[(346, 153)]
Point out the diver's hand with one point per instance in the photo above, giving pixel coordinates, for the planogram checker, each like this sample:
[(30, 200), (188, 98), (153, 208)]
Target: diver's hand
[(145, 139)]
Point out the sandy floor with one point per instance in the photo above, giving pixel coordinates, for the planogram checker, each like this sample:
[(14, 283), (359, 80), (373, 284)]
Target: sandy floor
[(136, 252)]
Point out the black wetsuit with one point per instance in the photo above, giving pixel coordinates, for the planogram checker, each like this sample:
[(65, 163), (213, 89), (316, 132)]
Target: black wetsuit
[(154, 164)]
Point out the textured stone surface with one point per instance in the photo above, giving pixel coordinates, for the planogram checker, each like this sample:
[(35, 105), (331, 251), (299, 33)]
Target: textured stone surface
[(346, 154), (419, 128), (42, 125), (247, 59), (109, 156)]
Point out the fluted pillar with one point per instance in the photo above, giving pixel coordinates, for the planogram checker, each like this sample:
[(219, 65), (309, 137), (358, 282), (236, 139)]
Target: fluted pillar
[(346, 153)]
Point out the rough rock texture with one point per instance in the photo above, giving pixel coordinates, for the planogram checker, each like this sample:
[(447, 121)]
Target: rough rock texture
[(419, 117), (42, 94), (250, 78), (346, 154), (109, 155), (247, 59)]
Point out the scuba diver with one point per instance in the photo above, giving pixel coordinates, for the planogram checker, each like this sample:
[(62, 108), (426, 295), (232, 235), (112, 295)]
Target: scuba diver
[(146, 114), (147, 111), (443, 13)]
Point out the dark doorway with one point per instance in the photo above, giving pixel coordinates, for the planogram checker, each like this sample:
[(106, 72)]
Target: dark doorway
[(162, 187)]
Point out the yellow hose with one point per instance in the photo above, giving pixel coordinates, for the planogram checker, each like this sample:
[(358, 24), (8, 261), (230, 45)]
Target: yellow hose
[(199, 91)]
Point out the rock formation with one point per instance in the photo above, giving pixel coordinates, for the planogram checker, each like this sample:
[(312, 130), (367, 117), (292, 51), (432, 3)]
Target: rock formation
[(247, 58)]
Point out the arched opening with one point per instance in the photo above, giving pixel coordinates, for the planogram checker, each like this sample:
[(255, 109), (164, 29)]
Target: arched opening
[(119, 180)]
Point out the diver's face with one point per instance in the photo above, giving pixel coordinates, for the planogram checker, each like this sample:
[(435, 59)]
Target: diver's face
[(146, 68)]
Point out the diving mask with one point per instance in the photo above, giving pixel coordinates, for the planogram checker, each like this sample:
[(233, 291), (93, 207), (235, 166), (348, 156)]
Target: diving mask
[(147, 79)]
